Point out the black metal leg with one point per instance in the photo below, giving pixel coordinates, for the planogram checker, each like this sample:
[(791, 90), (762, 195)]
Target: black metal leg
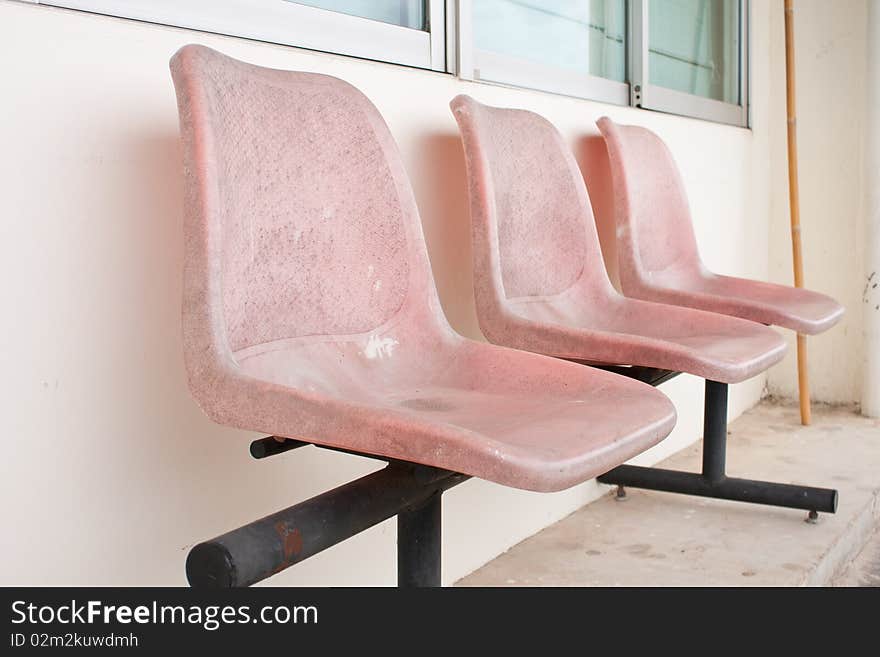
[(715, 431), (726, 488), (713, 482), (418, 544)]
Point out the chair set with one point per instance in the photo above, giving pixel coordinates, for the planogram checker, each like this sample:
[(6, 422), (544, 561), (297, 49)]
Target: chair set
[(310, 314)]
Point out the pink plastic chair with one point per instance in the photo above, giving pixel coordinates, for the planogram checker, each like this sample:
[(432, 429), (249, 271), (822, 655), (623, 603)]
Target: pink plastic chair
[(309, 309), (540, 285), (657, 251)]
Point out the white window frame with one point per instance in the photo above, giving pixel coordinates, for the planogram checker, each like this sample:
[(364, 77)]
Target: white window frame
[(288, 23), (471, 63), (446, 46), (661, 99), (487, 66)]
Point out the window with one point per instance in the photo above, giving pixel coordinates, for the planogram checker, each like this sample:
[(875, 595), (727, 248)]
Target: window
[(693, 47), (684, 57), (409, 32), (406, 13), (569, 46), (689, 57), (681, 56)]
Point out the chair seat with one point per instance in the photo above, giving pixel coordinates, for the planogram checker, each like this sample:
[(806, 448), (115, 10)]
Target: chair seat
[(617, 330), (511, 417), (794, 308)]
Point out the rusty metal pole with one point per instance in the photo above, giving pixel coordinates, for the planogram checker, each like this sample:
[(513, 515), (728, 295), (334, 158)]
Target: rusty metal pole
[(251, 553), (794, 204)]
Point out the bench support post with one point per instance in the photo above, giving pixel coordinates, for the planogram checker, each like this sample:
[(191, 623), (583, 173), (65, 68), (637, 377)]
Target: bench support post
[(713, 480), (418, 544)]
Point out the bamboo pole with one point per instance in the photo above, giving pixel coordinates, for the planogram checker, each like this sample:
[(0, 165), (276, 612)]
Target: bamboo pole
[(794, 204)]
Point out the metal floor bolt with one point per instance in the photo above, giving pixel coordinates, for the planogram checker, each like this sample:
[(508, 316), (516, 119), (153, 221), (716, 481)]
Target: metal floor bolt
[(812, 518), (620, 495)]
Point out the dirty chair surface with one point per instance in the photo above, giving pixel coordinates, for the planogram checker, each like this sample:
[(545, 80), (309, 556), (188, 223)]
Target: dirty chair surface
[(309, 309), (657, 251), (539, 277)]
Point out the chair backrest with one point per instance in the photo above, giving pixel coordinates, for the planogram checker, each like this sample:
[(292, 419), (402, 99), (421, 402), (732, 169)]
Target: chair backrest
[(300, 220), (533, 229), (654, 228)]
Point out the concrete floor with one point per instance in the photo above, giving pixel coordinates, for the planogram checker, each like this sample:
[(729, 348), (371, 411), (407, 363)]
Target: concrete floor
[(864, 570), (663, 539)]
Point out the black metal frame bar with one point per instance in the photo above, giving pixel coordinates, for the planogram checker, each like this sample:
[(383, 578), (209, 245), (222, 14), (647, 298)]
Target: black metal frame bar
[(713, 480), (261, 548), (653, 376)]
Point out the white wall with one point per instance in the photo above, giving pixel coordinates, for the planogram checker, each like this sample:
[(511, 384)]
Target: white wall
[(830, 60), (870, 394), (110, 472)]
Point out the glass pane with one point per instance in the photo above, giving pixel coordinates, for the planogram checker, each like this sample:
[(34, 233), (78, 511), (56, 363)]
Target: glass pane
[(408, 13), (585, 36), (694, 47)]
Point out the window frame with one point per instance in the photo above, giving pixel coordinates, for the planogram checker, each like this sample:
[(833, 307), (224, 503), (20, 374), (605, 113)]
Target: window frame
[(446, 45), (471, 63), (487, 66), (653, 97), (291, 24)]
